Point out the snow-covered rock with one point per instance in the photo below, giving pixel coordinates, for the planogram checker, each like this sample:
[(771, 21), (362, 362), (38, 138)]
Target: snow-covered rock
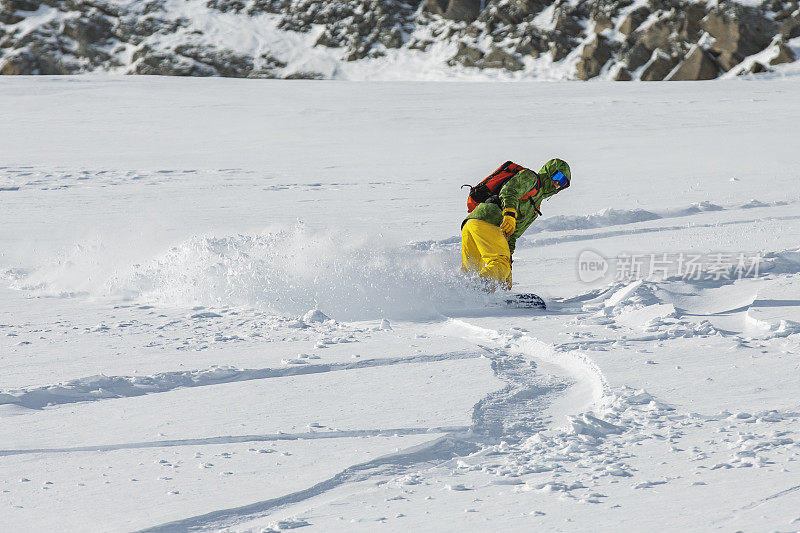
[(679, 40)]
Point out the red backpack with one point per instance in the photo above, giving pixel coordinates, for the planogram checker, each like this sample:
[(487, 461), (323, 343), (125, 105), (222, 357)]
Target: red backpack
[(491, 185)]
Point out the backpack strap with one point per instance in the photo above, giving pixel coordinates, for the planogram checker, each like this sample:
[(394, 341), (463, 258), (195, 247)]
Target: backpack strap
[(538, 188)]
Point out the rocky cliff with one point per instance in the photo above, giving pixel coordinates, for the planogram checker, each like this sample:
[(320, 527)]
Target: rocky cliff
[(578, 39)]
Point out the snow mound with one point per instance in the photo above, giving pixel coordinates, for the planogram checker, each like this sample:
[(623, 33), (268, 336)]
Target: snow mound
[(604, 218), (315, 315), (782, 262), (587, 424), (619, 217)]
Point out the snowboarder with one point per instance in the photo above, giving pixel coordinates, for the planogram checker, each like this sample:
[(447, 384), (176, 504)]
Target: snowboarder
[(513, 196)]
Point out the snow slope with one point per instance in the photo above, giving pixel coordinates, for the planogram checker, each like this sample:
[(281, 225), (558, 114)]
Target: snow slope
[(233, 304)]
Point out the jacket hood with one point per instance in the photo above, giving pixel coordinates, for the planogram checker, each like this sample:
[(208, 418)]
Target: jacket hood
[(553, 166)]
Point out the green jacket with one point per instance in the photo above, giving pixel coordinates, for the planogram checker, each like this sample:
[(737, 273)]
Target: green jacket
[(513, 190)]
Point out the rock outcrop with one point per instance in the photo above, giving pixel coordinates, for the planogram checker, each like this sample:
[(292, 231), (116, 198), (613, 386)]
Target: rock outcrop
[(660, 64), (698, 65), (738, 32), (467, 10), (594, 56), (580, 39)]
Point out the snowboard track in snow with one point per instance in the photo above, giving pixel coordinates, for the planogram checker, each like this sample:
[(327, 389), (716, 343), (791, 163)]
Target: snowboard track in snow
[(784, 492), (514, 412), (96, 388), (438, 450), (511, 414), (236, 439)]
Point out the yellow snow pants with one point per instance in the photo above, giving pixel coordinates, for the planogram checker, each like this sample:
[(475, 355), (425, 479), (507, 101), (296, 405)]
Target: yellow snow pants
[(485, 252)]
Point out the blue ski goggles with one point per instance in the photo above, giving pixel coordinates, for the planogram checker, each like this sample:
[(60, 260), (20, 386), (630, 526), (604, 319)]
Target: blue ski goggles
[(560, 178)]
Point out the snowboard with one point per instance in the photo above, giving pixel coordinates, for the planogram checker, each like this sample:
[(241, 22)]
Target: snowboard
[(525, 301)]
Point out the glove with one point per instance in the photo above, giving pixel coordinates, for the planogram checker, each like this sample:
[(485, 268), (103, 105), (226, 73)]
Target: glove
[(509, 223)]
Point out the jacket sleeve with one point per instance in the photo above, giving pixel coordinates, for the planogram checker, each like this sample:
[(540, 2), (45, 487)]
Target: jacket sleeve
[(516, 187)]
